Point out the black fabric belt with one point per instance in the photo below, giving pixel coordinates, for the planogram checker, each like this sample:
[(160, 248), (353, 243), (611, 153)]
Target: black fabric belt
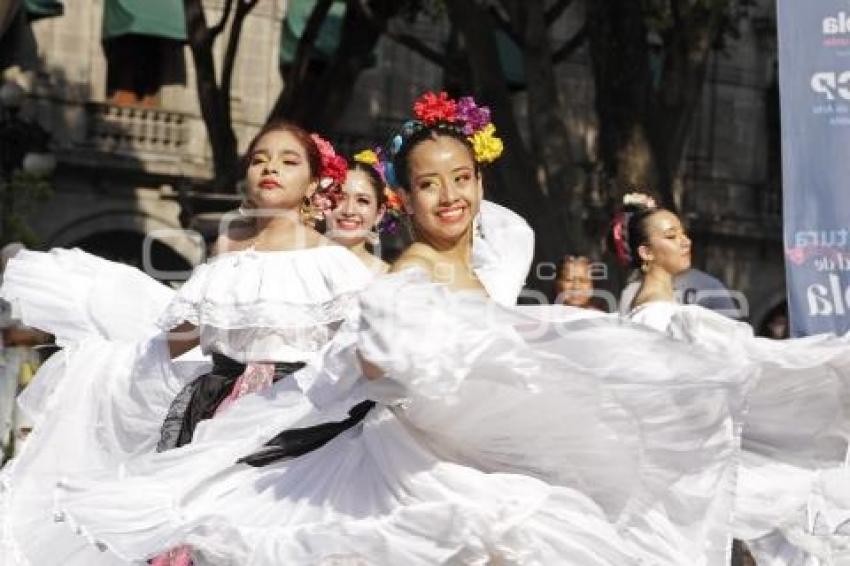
[(199, 400)]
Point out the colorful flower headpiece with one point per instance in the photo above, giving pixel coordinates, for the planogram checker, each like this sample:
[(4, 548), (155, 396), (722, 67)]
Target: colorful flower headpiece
[(331, 177), (394, 209), (433, 109), (634, 202), (334, 166)]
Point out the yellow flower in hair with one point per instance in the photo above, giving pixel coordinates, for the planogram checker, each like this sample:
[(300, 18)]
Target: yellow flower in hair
[(486, 145), (367, 157)]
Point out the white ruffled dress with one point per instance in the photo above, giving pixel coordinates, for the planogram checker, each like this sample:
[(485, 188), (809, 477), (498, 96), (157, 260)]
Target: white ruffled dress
[(85, 301), (499, 437), (101, 400), (795, 434)]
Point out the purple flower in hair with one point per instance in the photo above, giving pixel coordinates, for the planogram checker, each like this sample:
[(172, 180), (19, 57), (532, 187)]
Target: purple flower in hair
[(474, 117)]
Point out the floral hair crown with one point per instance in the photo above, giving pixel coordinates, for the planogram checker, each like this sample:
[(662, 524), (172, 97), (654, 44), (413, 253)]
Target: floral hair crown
[(632, 203), (394, 210), (433, 109)]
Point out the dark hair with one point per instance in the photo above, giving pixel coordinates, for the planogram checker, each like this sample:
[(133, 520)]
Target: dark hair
[(571, 258), (635, 220), (314, 158), (421, 134), (375, 180)]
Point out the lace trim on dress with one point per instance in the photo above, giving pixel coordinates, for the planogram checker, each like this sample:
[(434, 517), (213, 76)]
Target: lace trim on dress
[(261, 314)]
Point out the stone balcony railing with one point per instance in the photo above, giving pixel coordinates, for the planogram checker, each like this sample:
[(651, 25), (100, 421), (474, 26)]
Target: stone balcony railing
[(114, 128)]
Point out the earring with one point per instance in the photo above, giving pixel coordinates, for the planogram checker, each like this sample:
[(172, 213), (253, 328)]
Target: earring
[(478, 232), (374, 236), (644, 267), (307, 212)]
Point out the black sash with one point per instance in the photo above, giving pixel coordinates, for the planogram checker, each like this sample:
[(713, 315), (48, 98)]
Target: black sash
[(298, 441), (199, 400)]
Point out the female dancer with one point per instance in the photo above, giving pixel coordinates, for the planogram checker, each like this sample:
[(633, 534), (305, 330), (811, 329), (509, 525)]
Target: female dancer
[(495, 436), (275, 294), (356, 220), (795, 430)]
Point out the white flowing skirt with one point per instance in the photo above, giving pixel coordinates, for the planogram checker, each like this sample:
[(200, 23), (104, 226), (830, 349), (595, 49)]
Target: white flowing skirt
[(497, 438)]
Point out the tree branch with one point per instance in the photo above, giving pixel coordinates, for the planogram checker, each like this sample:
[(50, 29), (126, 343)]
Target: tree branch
[(306, 42), (225, 13), (242, 10), (570, 46), (506, 26), (407, 40), (556, 11), (419, 47), (196, 23)]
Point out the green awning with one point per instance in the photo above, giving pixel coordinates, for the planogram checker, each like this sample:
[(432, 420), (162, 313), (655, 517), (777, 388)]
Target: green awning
[(37, 9), (511, 58), (295, 21), (159, 18)]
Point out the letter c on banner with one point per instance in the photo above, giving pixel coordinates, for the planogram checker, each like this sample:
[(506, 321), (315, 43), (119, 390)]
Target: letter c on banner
[(824, 83)]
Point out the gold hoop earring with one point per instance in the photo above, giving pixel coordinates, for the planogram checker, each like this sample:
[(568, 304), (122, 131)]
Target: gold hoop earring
[(308, 212)]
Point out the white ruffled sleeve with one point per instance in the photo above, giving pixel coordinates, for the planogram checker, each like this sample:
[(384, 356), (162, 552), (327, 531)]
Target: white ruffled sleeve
[(502, 254), (74, 295)]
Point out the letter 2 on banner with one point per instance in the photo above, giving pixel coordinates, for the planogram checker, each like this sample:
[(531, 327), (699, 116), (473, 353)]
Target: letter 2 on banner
[(814, 82)]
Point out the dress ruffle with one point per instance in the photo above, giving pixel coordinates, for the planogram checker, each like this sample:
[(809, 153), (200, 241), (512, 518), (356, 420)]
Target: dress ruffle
[(99, 402), (246, 289), (269, 306), (796, 428), (75, 295), (498, 436)]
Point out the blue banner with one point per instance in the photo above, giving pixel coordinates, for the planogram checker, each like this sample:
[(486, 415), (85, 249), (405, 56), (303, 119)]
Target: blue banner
[(814, 82)]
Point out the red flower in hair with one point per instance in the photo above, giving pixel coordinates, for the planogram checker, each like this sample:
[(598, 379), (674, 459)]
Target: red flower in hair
[(326, 150), (335, 168), (618, 233), (431, 108)]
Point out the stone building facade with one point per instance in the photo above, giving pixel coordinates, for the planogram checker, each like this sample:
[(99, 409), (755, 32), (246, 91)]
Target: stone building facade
[(120, 165)]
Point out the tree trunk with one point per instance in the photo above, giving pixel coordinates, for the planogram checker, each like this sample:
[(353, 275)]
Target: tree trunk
[(304, 74), (674, 104), (620, 63), (516, 184), (646, 96), (317, 97), (548, 135), (360, 36), (214, 110)]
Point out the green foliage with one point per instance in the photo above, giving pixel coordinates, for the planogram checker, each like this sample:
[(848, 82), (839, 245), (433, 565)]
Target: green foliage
[(20, 197)]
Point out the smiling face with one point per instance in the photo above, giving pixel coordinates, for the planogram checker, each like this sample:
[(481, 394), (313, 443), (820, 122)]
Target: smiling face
[(278, 175), (445, 190), (668, 246), (357, 210)]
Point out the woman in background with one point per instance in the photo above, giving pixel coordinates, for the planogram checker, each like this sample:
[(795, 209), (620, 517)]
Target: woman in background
[(795, 430)]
